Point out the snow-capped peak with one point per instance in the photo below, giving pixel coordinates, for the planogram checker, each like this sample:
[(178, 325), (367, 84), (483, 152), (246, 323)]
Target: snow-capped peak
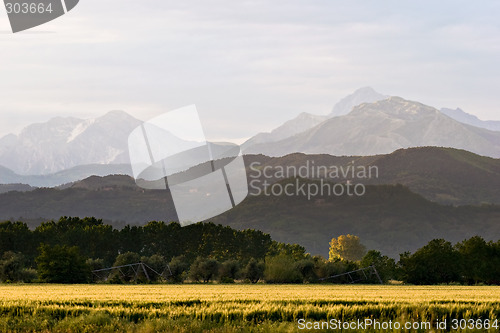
[(65, 142)]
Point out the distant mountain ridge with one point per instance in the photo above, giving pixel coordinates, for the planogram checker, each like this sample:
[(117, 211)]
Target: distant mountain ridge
[(5, 188), (299, 124), (63, 143), (305, 121), (466, 118), (383, 127), (443, 175), (59, 178)]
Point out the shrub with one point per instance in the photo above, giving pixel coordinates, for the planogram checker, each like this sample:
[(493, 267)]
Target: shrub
[(179, 267), (254, 271), (281, 269), (229, 270), (203, 269), (158, 265), (306, 269), (11, 267)]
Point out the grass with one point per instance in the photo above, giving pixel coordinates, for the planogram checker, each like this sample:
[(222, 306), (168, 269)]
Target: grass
[(232, 308)]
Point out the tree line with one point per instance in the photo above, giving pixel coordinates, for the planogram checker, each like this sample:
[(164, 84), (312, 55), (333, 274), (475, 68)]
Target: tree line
[(68, 250)]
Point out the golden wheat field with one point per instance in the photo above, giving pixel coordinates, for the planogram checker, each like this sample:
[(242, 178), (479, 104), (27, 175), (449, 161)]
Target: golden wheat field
[(243, 308)]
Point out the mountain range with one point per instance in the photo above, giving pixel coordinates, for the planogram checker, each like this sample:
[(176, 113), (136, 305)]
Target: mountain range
[(63, 143), (383, 127), (444, 175), (63, 177), (366, 122), (466, 118), (305, 121)]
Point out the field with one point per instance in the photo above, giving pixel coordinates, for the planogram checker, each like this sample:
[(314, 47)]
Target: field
[(239, 308)]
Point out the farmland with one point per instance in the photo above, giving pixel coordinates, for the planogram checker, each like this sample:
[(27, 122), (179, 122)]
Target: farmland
[(228, 308)]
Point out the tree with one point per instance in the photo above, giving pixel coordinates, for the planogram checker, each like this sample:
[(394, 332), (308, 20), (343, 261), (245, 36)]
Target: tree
[(476, 260), (346, 247), (127, 258), (494, 273), (17, 237), (386, 267), (254, 270), (229, 271), (204, 269), (436, 262), (306, 268), (296, 251), (281, 269), (179, 266), (95, 264), (157, 263), (93, 238), (340, 267), (61, 264), (320, 266), (11, 267), (126, 274)]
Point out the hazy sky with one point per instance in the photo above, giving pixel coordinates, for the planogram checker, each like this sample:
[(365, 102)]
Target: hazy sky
[(248, 65)]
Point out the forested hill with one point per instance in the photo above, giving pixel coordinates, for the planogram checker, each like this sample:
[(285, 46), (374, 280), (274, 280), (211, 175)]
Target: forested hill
[(112, 198), (443, 175), (389, 218)]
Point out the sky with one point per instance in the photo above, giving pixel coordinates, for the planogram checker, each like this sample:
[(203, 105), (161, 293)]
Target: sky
[(248, 66)]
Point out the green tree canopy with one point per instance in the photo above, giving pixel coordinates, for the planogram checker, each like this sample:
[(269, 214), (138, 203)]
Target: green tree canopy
[(385, 266), (436, 262), (11, 267), (281, 269), (254, 270), (61, 264), (204, 269), (179, 266)]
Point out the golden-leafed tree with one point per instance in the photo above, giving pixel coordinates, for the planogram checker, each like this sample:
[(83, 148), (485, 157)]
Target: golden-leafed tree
[(346, 247)]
